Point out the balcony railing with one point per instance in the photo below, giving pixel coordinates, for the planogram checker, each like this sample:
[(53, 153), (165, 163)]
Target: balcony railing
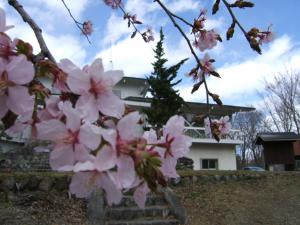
[(199, 133)]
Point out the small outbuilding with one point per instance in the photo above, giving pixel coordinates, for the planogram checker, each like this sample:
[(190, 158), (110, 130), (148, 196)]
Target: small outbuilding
[(281, 150)]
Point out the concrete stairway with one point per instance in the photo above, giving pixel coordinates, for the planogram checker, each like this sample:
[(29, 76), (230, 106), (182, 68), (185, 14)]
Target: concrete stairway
[(156, 212)]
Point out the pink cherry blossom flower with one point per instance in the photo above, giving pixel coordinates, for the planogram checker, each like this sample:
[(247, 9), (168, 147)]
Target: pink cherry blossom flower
[(175, 145), (207, 64), (206, 39), (13, 95), (73, 140), (87, 28), (3, 26), (225, 125), (53, 109), (84, 183), (7, 47), (95, 89), (140, 194), (222, 126), (266, 37), (114, 4), (122, 141)]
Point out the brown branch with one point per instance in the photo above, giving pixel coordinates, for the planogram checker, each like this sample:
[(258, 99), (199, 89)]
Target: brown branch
[(234, 20), (131, 22), (36, 29), (170, 15)]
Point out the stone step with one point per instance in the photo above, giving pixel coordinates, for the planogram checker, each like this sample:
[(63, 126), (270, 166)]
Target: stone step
[(128, 201), (144, 222), (130, 213)]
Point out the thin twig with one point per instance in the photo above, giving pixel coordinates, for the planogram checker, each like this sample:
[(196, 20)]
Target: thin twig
[(36, 29), (170, 15), (76, 22), (182, 19), (131, 22), (234, 19)]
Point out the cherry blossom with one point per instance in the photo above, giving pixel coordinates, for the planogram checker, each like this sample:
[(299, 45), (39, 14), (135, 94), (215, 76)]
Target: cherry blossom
[(73, 140), (122, 141), (85, 181), (218, 128), (114, 4), (14, 96), (175, 145), (140, 194), (206, 39), (95, 89), (87, 28)]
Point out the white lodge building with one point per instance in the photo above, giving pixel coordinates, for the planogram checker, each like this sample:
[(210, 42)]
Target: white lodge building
[(206, 152)]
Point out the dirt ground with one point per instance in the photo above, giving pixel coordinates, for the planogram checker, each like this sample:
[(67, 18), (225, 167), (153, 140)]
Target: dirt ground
[(40, 208), (274, 200)]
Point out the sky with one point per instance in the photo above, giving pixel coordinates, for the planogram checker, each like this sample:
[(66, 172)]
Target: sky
[(242, 70)]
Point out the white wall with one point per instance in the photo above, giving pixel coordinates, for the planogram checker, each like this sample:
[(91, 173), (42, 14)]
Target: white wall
[(128, 90), (225, 153)]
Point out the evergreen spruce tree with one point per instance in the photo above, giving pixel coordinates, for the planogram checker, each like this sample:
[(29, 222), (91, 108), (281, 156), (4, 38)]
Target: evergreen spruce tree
[(166, 101)]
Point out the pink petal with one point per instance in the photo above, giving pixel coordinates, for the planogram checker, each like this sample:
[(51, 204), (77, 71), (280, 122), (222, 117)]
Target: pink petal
[(3, 108), (16, 128), (81, 154), (150, 136), (110, 104), (67, 65), (96, 70), (78, 82), (128, 127), (82, 184), (113, 195), (19, 101), (20, 70), (140, 195), (169, 167), (62, 155), (105, 159), (53, 130), (73, 117), (84, 166), (181, 146), (112, 77), (126, 170), (110, 135), (89, 135), (87, 105), (174, 126)]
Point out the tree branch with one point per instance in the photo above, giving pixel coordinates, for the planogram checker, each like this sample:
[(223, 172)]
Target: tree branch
[(171, 16), (36, 29), (76, 22), (234, 20)]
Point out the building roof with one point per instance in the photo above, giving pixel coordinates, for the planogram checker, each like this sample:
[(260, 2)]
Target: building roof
[(276, 136), (195, 107)]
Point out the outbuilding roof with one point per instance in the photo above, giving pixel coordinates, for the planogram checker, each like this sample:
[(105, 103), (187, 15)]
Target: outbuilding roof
[(276, 136)]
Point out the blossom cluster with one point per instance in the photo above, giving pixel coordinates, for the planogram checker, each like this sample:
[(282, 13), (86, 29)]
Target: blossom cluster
[(91, 131), (217, 128), (204, 39)]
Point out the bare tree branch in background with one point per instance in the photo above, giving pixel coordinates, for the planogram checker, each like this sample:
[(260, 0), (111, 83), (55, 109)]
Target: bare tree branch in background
[(249, 123), (282, 102)]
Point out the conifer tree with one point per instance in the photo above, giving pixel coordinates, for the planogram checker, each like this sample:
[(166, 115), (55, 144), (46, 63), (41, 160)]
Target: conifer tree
[(166, 101)]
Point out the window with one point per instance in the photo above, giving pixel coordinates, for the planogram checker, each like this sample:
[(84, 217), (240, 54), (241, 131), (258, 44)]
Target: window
[(209, 164)]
